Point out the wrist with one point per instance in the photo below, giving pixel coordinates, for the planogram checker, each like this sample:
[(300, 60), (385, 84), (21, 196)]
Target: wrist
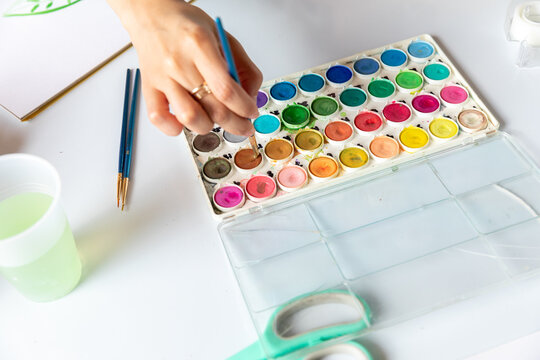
[(142, 13)]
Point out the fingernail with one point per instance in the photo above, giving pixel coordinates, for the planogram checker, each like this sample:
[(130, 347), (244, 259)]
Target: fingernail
[(254, 115)]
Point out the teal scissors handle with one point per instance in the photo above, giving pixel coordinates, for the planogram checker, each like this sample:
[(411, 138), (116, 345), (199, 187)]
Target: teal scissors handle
[(276, 345)]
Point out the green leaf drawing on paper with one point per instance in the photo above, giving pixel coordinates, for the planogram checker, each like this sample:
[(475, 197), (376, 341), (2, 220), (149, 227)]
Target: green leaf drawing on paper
[(36, 7)]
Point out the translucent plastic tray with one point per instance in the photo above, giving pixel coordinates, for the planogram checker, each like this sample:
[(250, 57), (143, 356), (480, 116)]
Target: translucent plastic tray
[(408, 239)]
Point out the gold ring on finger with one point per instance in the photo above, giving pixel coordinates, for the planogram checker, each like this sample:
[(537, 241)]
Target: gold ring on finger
[(201, 91)]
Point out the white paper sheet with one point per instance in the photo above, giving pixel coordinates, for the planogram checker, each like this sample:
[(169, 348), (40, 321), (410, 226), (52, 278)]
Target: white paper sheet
[(42, 55)]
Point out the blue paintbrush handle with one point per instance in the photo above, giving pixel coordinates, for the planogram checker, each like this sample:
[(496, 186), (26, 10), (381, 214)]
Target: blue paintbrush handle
[(132, 113), (227, 50), (124, 124)]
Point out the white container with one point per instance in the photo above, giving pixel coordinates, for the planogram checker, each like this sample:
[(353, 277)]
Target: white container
[(283, 161), (389, 140), (247, 171), (372, 115), (303, 150), (472, 120), (420, 51), (424, 111), (349, 107), (29, 184), (283, 87), (201, 150), (216, 180), (410, 149), (436, 78), (318, 179), (409, 90), (346, 75), (320, 116), (264, 118), (391, 55), (386, 113), (371, 63), (269, 195), (311, 91), (235, 141), (342, 124), (453, 103), (349, 169), (436, 135), (226, 209), (381, 97), (297, 169)]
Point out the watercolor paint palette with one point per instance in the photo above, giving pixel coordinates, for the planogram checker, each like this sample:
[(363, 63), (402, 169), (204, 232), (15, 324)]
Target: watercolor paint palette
[(413, 229), (341, 120)]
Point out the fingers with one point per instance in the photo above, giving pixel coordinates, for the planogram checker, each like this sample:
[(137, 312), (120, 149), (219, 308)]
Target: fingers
[(187, 110), (158, 111), (250, 75), (214, 70), (228, 120)]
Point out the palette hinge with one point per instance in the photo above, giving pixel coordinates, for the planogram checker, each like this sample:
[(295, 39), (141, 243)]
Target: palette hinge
[(476, 137), (255, 209)]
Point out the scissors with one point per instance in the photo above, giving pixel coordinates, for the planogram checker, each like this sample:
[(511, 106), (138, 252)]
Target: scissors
[(277, 339)]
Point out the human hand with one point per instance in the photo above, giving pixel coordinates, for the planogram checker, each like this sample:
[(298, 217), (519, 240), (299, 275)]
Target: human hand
[(179, 49)]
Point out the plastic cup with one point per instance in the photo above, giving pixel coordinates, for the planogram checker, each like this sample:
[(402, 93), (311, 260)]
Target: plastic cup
[(38, 255)]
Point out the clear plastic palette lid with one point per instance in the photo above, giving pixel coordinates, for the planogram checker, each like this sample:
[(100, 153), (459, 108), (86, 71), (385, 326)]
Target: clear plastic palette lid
[(406, 240)]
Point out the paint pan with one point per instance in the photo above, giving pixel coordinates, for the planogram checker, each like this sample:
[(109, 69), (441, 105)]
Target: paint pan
[(339, 75), (267, 126), (409, 81), (311, 84), (413, 139), (323, 168), (393, 59), (283, 92), (384, 148), (381, 89), (420, 51), (324, 107), (351, 99), (338, 132), (262, 99), (295, 116), (207, 143), (260, 188), (436, 73), (425, 105), (353, 158), (234, 140), (368, 123), (367, 67), (217, 170), (454, 95), (229, 197), (472, 120), (443, 129), (245, 161), (279, 151), (397, 114), (291, 178), (308, 141)]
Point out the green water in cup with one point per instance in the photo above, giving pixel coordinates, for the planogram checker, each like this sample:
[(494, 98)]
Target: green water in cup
[(58, 270)]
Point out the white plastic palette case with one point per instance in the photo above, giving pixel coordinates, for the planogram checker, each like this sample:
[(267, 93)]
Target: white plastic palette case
[(409, 237)]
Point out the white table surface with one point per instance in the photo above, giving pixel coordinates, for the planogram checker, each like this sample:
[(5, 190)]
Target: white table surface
[(158, 284)]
